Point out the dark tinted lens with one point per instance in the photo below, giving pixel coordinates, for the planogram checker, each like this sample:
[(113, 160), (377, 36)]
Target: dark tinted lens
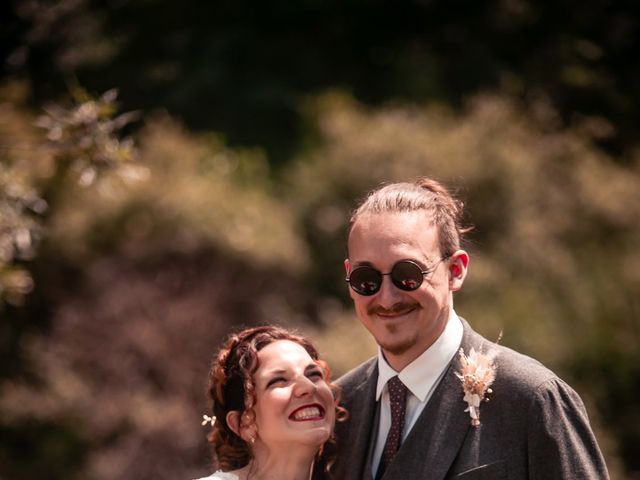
[(365, 280), (406, 276)]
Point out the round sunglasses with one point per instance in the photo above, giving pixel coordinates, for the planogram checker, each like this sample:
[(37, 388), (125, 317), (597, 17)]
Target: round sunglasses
[(407, 275)]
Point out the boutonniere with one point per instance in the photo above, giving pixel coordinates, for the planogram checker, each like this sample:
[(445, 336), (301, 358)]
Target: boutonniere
[(477, 375)]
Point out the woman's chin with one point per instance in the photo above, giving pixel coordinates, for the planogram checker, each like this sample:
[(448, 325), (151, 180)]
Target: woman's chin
[(317, 437)]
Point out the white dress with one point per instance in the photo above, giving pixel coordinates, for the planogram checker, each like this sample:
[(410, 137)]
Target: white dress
[(220, 475)]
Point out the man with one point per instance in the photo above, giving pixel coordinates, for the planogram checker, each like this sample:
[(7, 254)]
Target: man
[(421, 409)]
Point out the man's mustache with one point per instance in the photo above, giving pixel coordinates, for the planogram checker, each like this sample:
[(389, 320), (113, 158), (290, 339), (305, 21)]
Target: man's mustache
[(394, 310)]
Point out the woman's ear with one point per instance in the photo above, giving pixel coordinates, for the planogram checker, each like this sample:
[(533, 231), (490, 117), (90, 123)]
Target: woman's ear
[(233, 420), (346, 265), (248, 433)]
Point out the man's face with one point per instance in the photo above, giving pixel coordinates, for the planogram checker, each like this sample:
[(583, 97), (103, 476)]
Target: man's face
[(404, 323)]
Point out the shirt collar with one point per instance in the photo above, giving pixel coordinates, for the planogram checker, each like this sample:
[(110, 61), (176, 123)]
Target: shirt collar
[(421, 374)]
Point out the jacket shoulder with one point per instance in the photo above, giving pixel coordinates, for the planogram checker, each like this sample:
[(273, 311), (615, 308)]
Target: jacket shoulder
[(357, 377), (522, 378), (519, 371)]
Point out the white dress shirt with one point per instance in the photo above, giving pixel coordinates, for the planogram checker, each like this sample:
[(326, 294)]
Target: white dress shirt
[(420, 377)]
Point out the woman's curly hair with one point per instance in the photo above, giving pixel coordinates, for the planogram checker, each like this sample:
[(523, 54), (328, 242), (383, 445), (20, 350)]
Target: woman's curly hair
[(232, 388)]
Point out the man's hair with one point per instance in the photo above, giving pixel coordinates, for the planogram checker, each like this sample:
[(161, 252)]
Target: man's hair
[(425, 194)]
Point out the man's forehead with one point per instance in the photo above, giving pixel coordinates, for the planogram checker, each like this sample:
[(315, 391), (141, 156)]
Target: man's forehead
[(393, 226), (391, 245), (423, 217)]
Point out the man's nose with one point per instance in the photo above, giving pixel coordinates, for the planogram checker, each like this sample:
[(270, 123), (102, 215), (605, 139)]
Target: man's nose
[(389, 294)]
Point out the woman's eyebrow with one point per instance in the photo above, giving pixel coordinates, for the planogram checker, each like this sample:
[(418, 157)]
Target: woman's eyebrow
[(277, 371)]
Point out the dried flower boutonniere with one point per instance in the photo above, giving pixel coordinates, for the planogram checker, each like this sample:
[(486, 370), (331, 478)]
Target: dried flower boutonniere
[(477, 375)]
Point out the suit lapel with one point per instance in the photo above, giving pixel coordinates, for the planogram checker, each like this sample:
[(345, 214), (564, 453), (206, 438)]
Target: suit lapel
[(373, 435), (362, 410), (435, 440)]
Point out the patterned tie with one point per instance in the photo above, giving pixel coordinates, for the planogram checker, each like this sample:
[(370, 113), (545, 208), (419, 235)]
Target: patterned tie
[(397, 400)]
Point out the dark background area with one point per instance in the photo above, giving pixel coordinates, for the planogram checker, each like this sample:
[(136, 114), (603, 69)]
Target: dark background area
[(223, 201), (241, 68)]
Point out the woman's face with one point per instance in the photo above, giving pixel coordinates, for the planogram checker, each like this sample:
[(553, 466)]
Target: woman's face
[(294, 403)]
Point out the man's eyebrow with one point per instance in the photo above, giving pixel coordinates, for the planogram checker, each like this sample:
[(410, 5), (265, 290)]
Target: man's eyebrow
[(364, 263)]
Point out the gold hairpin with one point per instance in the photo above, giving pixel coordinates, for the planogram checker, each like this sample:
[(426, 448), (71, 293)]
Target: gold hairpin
[(207, 419)]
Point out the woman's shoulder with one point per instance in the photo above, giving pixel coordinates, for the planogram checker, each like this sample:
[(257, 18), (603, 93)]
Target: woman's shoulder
[(219, 475)]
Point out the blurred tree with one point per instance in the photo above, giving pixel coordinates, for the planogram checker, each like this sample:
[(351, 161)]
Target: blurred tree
[(20, 202), (241, 68), (81, 142), (142, 280), (80, 145)]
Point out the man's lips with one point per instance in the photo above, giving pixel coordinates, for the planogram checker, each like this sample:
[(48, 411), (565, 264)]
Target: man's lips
[(307, 413), (396, 311)]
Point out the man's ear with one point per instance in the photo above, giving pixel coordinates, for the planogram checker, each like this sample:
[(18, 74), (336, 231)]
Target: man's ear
[(458, 267), (347, 267)]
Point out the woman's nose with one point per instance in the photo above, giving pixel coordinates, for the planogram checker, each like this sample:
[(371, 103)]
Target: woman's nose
[(304, 386)]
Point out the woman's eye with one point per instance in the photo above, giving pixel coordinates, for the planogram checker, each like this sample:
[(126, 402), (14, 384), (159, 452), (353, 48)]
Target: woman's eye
[(276, 381), (316, 375)]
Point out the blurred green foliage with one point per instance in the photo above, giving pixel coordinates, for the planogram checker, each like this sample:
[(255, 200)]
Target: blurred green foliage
[(143, 274), (19, 200), (129, 250), (80, 143), (242, 67)]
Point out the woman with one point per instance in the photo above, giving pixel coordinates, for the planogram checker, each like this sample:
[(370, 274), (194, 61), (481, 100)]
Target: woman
[(274, 408)]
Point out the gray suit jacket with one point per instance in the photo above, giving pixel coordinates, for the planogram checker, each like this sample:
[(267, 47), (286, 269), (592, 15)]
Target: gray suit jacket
[(534, 427)]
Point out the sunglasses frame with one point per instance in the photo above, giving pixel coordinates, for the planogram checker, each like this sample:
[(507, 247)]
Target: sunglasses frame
[(397, 285)]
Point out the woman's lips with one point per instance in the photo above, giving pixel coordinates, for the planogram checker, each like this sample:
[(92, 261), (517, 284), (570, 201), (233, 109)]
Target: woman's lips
[(307, 413)]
